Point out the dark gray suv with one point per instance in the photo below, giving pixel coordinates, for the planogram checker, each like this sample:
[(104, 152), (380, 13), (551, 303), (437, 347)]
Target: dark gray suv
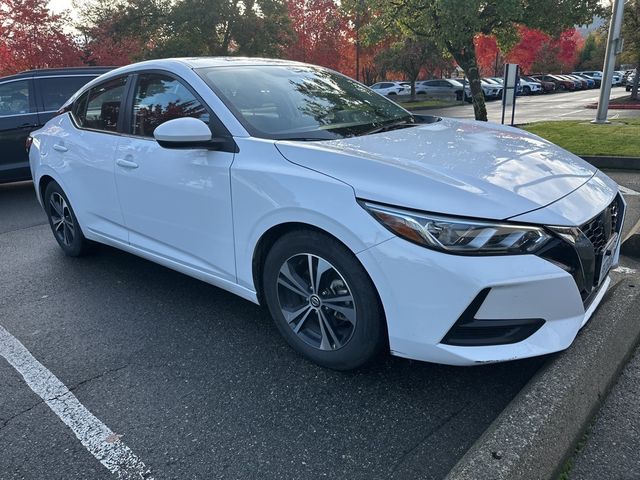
[(27, 101)]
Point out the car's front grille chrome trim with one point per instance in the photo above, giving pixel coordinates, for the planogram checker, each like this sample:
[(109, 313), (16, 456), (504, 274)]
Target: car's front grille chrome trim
[(589, 241)]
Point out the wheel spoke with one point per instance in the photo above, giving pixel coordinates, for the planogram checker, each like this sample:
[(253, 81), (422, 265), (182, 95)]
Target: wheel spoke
[(57, 223), (57, 208), (291, 316), (325, 326), (302, 320), (314, 287), (321, 268), (292, 281), (65, 238), (348, 312), (340, 299)]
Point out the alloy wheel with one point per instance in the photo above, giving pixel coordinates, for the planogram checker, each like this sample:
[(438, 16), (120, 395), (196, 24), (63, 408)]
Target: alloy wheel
[(61, 219), (316, 301)]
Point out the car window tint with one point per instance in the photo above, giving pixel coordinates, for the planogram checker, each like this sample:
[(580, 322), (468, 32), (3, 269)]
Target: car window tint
[(159, 98), (14, 98), (101, 106), (57, 90)]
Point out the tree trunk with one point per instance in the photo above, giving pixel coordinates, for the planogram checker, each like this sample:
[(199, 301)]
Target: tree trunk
[(413, 89), (467, 61), (636, 81)]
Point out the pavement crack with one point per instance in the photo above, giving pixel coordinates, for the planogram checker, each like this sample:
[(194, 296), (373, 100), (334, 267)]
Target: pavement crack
[(20, 413), (5, 422), (96, 377)]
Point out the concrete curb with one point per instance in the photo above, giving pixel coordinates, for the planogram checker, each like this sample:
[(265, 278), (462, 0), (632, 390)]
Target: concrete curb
[(538, 431), (614, 163)]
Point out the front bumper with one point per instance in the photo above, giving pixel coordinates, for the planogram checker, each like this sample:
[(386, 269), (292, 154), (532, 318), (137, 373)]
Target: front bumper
[(535, 305)]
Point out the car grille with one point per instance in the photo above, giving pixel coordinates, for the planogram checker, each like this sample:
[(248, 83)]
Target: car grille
[(583, 257), (600, 229)]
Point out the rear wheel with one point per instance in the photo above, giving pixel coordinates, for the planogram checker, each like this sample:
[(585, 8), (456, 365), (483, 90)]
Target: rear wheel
[(323, 301), (526, 90), (63, 221)]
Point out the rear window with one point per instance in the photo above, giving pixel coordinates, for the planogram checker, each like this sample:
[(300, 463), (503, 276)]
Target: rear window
[(55, 91), (14, 98), (99, 108)]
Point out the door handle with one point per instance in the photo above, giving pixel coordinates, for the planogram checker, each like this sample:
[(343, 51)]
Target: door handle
[(60, 148), (126, 163)]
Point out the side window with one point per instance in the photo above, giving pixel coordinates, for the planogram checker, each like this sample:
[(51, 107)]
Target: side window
[(159, 98), (57, 90), (99, 108), (14, 98)]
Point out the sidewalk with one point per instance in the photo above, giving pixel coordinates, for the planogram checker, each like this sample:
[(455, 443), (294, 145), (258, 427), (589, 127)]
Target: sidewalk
[(612, 449)]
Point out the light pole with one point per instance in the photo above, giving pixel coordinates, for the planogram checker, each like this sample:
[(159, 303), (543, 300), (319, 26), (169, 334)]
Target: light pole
[(614, 42)]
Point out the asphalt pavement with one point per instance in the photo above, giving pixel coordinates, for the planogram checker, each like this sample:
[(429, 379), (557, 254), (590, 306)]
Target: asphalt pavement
[(198, 382), (536, 108)]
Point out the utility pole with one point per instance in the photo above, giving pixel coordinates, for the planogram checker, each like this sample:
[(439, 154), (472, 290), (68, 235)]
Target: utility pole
[(614, 44)]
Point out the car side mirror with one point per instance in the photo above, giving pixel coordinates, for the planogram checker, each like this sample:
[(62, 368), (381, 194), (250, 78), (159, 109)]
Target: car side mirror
[(185, 132)]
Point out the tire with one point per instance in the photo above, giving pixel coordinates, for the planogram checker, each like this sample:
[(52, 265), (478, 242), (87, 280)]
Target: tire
[(526, 90), (63, 222), (392, 93), (340, 334)]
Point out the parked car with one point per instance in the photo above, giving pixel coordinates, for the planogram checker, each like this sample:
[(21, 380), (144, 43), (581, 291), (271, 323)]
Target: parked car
[(578, 85), (616, 79), (388, 88), (547, 87), (360, 226), (492, 90), (560, 83), (27, 101), (596, 81), (500, 81), (530, 86), (443, 87), (586, 83)]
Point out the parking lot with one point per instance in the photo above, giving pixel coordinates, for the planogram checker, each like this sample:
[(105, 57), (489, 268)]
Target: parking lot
[(536, 108), (199, 384)]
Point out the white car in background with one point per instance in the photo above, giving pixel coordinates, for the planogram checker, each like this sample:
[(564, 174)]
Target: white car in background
[(360, 226), (530, 87), (389, 88)]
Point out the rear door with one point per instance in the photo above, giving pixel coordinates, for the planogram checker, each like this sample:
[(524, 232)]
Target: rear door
[(84, 146), (18, 118)]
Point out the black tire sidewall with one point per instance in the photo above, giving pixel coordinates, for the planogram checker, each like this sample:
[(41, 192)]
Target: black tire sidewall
[(79, 244), (369, 335)]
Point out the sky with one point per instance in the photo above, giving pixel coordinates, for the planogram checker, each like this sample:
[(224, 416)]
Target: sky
[(59, 5)]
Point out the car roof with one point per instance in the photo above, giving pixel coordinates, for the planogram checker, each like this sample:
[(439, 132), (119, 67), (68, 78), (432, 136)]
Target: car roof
[(52, 72)]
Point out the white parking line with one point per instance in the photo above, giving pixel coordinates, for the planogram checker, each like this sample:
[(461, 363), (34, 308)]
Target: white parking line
[(627, 191), (96, 437)]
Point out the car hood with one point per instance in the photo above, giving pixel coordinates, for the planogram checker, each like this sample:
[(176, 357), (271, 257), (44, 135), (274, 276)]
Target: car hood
[(457, 167)]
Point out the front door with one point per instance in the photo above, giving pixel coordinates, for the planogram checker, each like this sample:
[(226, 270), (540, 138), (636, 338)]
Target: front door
[(176, 203)]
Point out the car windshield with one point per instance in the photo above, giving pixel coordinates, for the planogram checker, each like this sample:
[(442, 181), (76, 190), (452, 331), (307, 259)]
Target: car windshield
[(301, 102)]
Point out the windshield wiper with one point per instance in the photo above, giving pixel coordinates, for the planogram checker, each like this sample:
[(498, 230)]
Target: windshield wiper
[(301, 139), (391, 126)]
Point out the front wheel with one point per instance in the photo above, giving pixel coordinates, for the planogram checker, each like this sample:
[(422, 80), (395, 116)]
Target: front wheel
[(63, 221), (323, 301)]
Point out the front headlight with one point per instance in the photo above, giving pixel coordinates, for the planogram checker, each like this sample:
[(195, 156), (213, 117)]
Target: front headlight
[(459, 235)]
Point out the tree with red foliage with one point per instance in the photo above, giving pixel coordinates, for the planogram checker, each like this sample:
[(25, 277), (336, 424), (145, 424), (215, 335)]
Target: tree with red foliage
[(535, 51), (33, 37), (321, 34)]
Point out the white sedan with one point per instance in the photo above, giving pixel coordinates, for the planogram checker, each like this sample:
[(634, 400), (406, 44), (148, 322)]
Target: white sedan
[(360, 226)]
